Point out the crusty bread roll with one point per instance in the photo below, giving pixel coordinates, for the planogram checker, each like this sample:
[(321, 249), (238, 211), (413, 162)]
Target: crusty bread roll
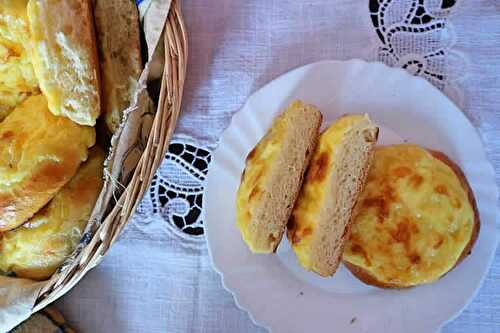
[(273, 176), (64, 57), (38, 247), (119, 45), (415, 220), (320, 221), (17, 78), (39, 153)]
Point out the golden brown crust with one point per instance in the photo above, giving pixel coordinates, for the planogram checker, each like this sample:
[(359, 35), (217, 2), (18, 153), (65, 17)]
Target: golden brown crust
[(368, 278), (37, 248), (36, 159)]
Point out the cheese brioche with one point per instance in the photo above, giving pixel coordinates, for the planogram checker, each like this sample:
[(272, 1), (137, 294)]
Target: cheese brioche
[(416, 219), (37, 248), (17, 78), (273, 176), (39, 153), (118, 40), (320, 221), (64, 57)]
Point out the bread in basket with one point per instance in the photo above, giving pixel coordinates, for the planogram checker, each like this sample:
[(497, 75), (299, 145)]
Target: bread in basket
[(142, 127)]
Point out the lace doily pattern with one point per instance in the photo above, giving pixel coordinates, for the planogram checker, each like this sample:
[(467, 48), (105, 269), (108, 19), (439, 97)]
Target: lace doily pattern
[(176, 193), (417, 36)]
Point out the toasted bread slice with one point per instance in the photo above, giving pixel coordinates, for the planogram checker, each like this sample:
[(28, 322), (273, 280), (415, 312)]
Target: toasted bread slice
[(117, 28), (64, 57), (320, 221), (415, 220), (273, 175)]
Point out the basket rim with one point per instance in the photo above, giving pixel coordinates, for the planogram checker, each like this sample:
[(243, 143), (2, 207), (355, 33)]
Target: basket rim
[(164, 123)]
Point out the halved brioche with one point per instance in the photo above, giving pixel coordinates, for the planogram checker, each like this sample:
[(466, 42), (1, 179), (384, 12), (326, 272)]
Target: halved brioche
[(37, 248), (320, 221), (39, 153), (64, 57), (273, 176), (117, 27), (415, 220)]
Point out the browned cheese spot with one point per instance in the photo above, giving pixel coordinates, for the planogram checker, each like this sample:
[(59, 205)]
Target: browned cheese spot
[(416, 180), (382, 202), (456, 203), (439, 242), (319, 168), (402, 171), (7, 135), (441, 189), (414, 258), (255, 193), (357, 249)]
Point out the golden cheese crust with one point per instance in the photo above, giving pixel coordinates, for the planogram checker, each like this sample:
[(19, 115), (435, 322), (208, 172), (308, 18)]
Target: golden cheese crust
[(17, 78), (39, 153), (37, 248), (415, 220)]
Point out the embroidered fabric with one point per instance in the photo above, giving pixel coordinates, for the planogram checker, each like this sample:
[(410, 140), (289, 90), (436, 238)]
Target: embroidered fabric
[(175, 195), (417, 35)]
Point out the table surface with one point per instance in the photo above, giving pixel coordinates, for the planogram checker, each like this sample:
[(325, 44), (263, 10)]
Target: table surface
[(158, 277)]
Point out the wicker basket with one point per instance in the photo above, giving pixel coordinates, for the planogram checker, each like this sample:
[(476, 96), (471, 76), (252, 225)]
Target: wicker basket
[(174, 73)]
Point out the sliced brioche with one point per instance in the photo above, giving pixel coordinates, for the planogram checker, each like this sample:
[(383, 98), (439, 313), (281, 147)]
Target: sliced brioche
[(64, 57), (415, 220), (273, 176), (117, 28), (320, 221)]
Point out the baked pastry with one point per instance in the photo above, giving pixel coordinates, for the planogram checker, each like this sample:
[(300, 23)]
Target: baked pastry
[(416, 219), (38, 247), (64, 57), (273, 176), (17, 78), (39, 153), (119, 45), (320, 221)]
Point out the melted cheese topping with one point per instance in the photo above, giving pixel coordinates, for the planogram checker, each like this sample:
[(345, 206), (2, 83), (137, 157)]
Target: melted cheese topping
[(17, 78), (414, 218), (259, 160), (314, 191)]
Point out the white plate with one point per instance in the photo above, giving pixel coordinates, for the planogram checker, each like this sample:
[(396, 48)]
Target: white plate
[(280, 295)]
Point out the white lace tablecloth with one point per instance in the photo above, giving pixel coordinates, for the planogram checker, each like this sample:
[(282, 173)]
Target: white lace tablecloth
[(158, 277)]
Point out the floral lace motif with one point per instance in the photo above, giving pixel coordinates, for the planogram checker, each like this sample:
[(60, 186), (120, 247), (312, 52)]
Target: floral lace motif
[(176, 192), (418, 36)]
